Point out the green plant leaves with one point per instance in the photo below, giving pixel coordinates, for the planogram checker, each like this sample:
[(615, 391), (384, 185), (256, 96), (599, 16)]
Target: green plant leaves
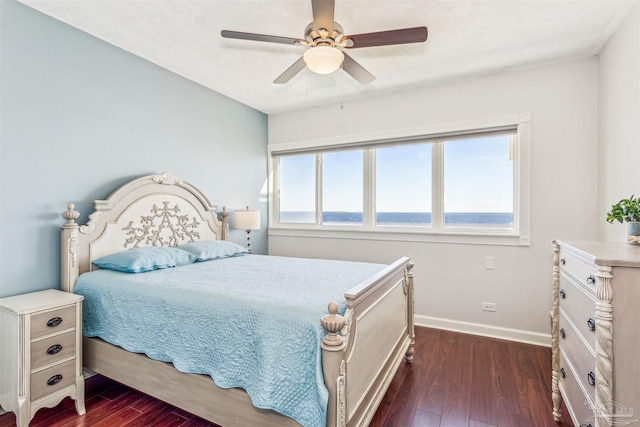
[(626, 210)]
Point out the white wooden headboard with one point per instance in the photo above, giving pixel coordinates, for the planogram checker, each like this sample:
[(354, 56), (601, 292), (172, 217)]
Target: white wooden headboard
[(155, 210)]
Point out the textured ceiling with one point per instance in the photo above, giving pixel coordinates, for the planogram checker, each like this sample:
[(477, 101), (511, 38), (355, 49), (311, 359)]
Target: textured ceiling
[(467, 38)]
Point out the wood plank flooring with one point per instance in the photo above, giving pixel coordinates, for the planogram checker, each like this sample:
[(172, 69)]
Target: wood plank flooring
[(455, 380)]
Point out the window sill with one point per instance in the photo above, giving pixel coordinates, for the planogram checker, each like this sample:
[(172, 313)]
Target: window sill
[(399, 235)]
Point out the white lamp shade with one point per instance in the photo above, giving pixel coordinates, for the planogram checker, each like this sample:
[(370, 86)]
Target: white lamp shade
[(323, 59), (247, 220)]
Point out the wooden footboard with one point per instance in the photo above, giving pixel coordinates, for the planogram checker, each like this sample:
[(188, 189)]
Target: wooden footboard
[(363, 349)]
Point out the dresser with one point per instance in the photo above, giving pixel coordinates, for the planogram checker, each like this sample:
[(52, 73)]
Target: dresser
[(41, 352), (595, 332)]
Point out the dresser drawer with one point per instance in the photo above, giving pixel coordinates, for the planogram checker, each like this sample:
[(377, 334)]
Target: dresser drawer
[(51, 349), (581, 358), (53, 321), (580, 308), (579, 405), (585, 274), (52, 379)]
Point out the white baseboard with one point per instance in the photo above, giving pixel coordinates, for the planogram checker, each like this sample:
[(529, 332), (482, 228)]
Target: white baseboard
[(518, 335)]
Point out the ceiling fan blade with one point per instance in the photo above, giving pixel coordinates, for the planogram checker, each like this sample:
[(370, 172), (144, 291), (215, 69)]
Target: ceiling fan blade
[(323, 14), (357, 71), (385, 38), (290, 72), (260, 37)]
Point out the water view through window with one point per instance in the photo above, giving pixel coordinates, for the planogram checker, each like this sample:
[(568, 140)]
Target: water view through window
[(403, 185), (297, 189), (342, 187), (478, 182), (472, 179), (458, 219)]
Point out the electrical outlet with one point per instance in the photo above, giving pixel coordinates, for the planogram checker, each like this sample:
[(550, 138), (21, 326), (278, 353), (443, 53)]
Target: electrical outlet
[(488, 306)]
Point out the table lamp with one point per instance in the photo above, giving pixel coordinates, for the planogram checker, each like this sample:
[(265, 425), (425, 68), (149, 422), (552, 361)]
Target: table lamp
[(247, 220)]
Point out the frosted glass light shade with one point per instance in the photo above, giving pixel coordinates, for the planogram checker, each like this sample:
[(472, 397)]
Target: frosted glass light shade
[(247, 220), (323, 59)]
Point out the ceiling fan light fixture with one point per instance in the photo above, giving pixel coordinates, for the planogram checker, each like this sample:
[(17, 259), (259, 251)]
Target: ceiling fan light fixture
[(323, 59)]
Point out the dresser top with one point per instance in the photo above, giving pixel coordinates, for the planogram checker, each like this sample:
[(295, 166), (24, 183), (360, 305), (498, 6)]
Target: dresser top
[(604, 253), (37, 301)]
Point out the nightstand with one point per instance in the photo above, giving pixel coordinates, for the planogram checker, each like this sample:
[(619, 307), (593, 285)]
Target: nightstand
[(41, 352)]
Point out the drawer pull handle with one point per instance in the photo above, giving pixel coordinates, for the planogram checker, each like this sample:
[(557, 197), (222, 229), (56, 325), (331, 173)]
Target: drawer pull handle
[(54, 321), (563, 261), (586, 425), (563, 294), (54, 379), (54, 349), (591, 280), (591, 377), (563, 334), (591, 324), (563, 374)]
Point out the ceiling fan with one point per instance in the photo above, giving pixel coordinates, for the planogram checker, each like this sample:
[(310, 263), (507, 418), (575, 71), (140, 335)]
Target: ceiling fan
[(326, 41)]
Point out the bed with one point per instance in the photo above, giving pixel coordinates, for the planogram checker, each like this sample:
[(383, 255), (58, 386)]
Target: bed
[(365, 332)]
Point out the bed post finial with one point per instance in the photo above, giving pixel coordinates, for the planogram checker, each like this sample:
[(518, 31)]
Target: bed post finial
[(70, 215), (333, 323), (224, 218)]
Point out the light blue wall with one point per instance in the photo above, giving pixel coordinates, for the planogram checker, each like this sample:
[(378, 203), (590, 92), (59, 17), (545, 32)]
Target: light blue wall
[(79, 117)]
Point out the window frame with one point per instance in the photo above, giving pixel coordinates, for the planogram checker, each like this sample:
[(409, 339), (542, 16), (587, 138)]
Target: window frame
[(519, 235)]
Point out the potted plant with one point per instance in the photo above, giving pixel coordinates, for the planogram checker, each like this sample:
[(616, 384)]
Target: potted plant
[(627, 210)]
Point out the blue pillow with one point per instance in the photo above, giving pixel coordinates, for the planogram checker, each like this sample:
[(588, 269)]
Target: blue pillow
[(206, 250), (139, 260)]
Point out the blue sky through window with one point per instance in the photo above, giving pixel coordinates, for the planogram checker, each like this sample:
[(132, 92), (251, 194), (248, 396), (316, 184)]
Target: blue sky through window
[(342, 181), (403, 178), (297, 183), (478, 175)]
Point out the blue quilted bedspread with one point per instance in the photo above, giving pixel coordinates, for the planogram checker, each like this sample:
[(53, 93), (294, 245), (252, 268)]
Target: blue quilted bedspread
[(251, 322)]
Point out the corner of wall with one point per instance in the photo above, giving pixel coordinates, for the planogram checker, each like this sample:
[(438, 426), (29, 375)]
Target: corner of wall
[(618, 121)]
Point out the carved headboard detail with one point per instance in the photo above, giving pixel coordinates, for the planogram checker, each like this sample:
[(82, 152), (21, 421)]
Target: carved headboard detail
[(164, 227), (155, 210)]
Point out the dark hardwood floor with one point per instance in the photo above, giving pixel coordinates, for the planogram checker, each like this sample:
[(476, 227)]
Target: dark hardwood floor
[(455, 380)]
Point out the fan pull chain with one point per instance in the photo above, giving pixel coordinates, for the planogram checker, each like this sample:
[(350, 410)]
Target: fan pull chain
[(306, 93), (342, 89)]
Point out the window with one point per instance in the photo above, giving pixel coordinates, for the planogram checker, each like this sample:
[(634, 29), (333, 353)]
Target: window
[(297, 188), (478, 183), (342, 187), (471, 182), (403, 185)]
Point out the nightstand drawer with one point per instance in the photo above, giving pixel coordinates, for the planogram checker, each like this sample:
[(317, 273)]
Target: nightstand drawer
[(580, 308), (51, 349), (53, 321), (585, 274), (52, 379)]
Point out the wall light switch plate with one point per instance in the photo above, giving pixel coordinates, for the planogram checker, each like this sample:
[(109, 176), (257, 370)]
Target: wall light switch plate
[(488, 263)]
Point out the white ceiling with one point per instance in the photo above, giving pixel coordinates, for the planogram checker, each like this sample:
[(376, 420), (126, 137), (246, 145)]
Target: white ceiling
[(467, 38)]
